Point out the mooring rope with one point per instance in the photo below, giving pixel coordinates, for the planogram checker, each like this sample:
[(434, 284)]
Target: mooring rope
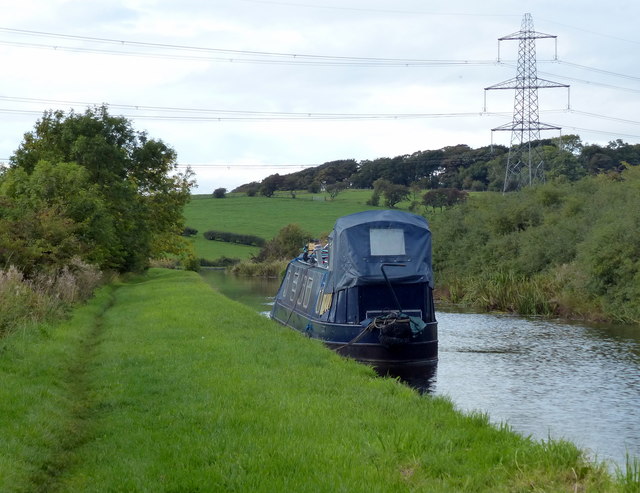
[(380, 322)]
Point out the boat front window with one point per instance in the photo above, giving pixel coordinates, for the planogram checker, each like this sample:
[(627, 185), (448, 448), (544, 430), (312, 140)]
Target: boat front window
[(387, 242)]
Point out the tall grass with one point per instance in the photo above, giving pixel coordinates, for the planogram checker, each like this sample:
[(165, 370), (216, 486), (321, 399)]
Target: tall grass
[(46, 296), (506, 291), (273, 268), (629, 477), (164, 385)]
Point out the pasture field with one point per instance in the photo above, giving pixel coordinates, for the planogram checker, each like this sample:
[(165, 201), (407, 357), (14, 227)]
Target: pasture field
[(160, 384), (264, 217)]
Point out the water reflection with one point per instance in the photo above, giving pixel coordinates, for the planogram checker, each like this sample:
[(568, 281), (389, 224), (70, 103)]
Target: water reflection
[(545, 379), (255, 292), (423, 378)]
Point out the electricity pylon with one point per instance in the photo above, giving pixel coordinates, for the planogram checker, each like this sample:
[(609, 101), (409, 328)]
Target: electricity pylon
[(525, 163)]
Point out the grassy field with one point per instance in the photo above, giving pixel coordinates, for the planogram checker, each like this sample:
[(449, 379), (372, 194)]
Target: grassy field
[(160, 384), (264, 216)]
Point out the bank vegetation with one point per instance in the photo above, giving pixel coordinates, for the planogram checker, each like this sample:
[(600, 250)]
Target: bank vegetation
[(558, 249), (84, 195)]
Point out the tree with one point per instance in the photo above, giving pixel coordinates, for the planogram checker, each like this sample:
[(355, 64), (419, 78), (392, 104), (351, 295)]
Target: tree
[(444, 197), (314, 187), (334, 189), (270, 184), (251, 189), (394, 194), (133, 194), (435, 198), (286, 244), (219, 193), (51, 216)]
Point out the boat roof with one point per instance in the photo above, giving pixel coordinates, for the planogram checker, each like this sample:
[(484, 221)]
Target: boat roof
[(363, 242)]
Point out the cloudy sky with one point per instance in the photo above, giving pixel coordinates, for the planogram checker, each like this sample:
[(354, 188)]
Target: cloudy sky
[(245, 88)]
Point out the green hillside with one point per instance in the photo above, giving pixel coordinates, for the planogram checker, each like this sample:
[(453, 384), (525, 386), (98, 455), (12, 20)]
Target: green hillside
[(264, 217)]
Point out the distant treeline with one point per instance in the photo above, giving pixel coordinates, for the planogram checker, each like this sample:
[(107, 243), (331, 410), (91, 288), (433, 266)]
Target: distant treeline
[(229, 237), (459, 167)]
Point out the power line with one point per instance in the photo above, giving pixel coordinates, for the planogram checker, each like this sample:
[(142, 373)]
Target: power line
[(597, 70), (246, 115), (592, 83), (232, 56), (245, 165), (603, 132), (372, 10), (617, 38), (293, 59), (212, 115), (236, 56)]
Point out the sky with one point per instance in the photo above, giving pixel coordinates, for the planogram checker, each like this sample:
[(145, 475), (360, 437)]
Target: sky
[(242, 89)]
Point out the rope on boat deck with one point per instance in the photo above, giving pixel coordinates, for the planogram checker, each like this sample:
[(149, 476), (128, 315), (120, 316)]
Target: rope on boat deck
[(380, 322)]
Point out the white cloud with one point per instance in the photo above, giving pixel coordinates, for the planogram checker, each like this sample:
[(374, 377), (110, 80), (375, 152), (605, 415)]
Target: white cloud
[(406, 29)]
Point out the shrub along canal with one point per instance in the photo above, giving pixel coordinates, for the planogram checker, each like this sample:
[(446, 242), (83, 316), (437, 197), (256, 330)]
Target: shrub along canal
[(544, 378)]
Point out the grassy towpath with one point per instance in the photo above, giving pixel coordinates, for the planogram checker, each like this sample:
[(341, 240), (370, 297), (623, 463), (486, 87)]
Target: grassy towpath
[(162, 385)]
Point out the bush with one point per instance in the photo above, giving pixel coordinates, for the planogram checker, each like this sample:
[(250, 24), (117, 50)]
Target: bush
[(444, 197), (288, 243), (273, 268), (395, 193), (229, 237), (219, 262), (219, 193)]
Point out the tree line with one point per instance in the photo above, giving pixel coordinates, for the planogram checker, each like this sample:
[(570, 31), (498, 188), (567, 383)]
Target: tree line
[(457, 167)]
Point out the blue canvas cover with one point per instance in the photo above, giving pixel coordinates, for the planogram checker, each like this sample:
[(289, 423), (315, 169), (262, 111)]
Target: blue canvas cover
[(360, 243)]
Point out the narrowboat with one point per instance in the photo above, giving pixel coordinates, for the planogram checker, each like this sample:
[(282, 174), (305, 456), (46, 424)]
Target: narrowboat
[(368, 292)]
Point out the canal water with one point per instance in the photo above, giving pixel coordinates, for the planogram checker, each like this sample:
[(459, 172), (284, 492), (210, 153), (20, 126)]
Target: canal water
[(546, 379)]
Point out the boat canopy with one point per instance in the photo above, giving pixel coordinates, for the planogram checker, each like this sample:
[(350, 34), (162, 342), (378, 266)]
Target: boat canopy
[(361, 243)]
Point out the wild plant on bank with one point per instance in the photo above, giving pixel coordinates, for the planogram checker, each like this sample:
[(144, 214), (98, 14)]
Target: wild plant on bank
[(629, 477), (21, 302), (45, 296), (273, 268), (505, 291)]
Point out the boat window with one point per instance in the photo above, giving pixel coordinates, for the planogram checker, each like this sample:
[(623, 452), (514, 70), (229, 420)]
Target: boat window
[(294, 285), (387, 241), (319, 301), (307, 293), (300, 296), (285, 284)]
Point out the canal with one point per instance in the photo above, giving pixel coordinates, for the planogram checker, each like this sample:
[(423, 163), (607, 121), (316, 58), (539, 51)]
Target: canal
[(544, 378)]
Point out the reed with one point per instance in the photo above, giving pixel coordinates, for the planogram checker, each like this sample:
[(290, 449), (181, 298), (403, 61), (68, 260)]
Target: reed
[(504, 291), (629, 477), (274, 268)]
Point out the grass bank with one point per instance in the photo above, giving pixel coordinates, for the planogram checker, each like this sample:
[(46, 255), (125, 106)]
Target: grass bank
[(161, 384)]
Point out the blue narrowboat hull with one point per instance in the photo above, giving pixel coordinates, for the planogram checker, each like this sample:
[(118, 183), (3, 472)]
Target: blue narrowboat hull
[(294, 307), (422, 352)]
